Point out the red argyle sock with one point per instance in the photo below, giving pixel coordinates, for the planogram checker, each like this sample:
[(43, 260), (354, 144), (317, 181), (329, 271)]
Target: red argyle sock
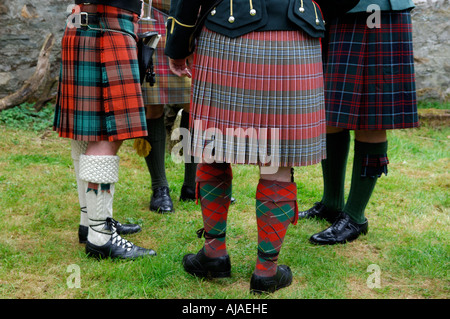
[(214, 191), (276, 208)]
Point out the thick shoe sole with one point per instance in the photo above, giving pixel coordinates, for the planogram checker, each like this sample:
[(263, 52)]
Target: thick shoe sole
[(94, 253)]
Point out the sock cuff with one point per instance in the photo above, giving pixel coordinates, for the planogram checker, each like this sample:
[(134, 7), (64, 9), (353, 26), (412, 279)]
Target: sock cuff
[(156, 129), (214, 172), (97, 169), (371, 148), (343, 135), (276, 191)]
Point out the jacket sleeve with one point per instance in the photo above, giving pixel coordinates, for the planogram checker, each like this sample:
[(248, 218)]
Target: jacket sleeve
[(180, 27)]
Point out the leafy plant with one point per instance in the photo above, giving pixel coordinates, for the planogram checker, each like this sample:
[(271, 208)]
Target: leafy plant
[(24, 116)]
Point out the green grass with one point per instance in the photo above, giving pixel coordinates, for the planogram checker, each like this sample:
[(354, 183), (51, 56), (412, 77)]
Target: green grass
[(408, 237)]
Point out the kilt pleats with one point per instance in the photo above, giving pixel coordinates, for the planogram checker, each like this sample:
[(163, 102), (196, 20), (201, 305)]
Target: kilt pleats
[(258, 99), (99, 96), (369, 78)]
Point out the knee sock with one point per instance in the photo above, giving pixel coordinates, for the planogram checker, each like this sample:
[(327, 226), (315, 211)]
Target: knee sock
[(276, 208), (79, 148), (370, 161), (100, 174), (156, 158), (214, 191), (333, 170), (190, 166)]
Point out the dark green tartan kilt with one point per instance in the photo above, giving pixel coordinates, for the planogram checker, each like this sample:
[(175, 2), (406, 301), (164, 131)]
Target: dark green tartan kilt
[(369, 73)]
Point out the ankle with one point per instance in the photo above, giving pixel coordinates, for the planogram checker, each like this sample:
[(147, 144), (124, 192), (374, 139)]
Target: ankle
[(212, 251), (266, 264)]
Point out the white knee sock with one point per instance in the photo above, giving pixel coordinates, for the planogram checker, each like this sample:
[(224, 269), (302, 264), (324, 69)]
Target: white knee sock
[(103, 171)]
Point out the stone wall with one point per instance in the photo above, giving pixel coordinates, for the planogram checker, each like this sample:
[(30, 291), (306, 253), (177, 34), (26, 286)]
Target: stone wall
[(431, 32), (26, 23)]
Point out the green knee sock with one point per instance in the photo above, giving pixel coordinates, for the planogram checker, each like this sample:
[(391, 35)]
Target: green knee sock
[(333, 170), (155, 160), (367, 155)]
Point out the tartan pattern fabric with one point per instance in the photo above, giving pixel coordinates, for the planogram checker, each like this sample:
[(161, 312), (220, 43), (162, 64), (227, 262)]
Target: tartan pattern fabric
[(369, 73), (266, 83), (169, 88), (99, 94), (276, 208), (214, 191), (374, 165)]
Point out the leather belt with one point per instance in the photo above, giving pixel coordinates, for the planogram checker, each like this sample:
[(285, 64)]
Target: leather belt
[(86, 19), (130, 5)]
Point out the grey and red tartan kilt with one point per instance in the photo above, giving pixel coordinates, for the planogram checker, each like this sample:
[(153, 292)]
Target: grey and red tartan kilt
[(369, 73), (169, 88), (99, 95), (258, 99)]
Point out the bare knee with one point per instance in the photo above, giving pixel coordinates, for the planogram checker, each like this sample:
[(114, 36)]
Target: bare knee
[(371, 136)]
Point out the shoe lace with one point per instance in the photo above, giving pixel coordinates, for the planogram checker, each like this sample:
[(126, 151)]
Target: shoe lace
[(116, 239), (340, 222)]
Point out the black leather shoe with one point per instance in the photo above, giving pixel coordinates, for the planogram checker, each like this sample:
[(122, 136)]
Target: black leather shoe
[(82, 234), (126, 229), (343, 230), (282, 278), (122, 229), (187, 193), (116, 247), (202, 266), (161, 201), (320, 211), (117, 250)]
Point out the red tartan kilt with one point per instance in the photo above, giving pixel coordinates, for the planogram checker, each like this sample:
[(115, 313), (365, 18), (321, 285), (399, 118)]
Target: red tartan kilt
[(99, 96)]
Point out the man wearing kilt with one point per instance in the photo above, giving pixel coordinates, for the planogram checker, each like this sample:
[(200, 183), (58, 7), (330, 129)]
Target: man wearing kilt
[(257, 98), (99, 105), (168, 90), (369, 88)]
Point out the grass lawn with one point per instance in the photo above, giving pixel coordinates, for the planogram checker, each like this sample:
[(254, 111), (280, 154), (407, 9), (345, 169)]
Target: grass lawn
[(407, 243)]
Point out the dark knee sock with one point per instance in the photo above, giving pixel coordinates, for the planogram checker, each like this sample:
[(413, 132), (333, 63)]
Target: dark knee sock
[(155, 159), (190, 165), (370, 161), (333, 170)]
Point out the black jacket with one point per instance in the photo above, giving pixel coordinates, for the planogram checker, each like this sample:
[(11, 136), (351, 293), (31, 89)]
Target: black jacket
[(234, 18)]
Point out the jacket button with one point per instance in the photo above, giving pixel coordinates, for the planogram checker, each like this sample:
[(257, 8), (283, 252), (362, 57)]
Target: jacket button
[(213, 12), (301, 9), (231, 19), (252, 12)]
